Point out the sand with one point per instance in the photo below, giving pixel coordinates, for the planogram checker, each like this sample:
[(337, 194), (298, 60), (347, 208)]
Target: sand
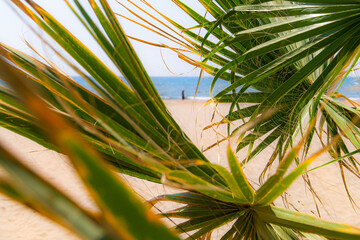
[(18, 222)]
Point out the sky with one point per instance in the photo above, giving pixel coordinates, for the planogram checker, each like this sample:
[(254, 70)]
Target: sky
[(15, 31)]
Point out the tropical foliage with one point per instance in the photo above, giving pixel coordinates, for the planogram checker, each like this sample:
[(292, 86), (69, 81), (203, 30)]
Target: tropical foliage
[(286, 55), (292, 54)]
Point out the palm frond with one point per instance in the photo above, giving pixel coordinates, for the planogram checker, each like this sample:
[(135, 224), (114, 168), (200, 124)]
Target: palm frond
[(285, 55)]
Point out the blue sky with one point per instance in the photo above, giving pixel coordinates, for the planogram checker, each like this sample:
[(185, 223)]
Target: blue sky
[(14, 31), (17, 31)]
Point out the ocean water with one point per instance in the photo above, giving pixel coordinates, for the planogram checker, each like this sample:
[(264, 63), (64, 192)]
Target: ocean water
[(351, 88), (170, 88)]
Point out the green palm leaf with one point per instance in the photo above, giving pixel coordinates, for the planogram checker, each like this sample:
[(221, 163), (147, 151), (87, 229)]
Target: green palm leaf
[(293, 53), (26, 186)]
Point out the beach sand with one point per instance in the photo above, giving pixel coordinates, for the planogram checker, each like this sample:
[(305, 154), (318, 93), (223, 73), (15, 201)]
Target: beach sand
[(18, 222)]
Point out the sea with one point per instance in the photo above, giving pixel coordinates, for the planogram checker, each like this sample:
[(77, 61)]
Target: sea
[(170, 88)]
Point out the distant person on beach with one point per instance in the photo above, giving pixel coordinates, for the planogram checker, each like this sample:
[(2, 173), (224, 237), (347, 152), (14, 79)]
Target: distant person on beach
[(183, 94)]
